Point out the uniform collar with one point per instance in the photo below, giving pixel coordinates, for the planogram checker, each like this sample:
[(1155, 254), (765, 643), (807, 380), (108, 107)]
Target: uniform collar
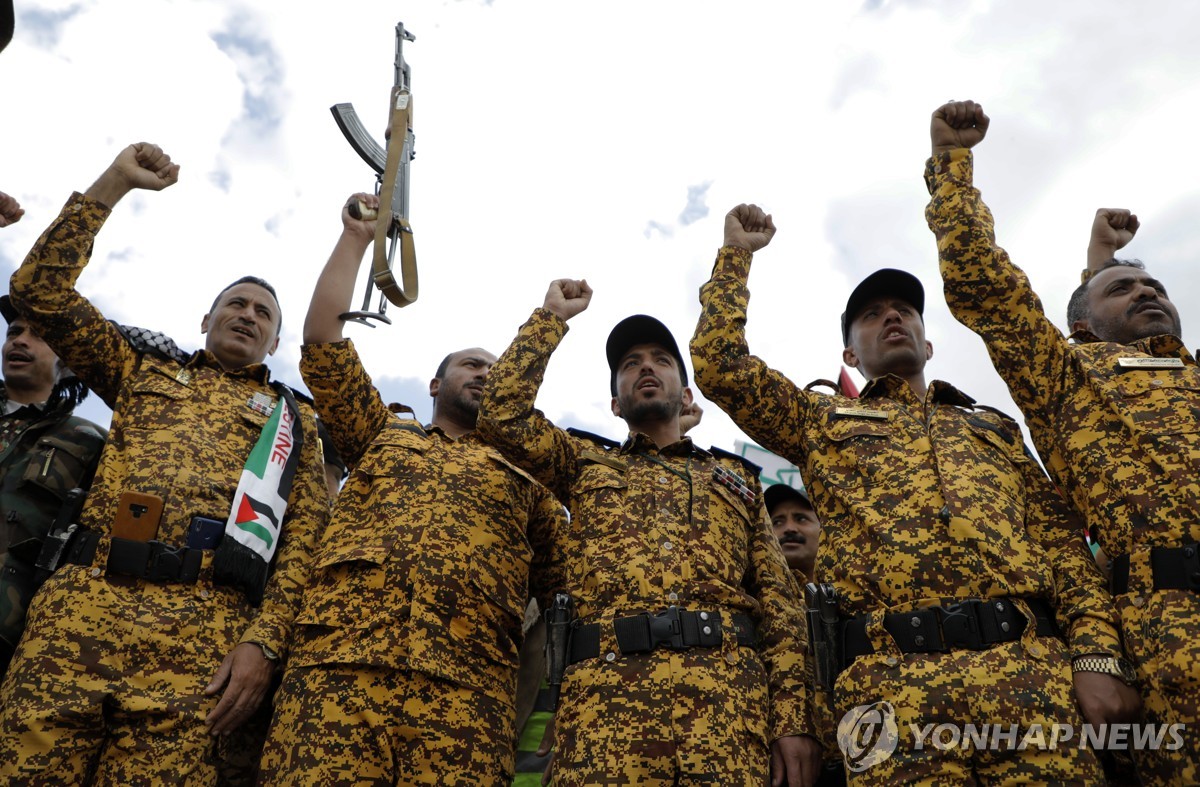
[(1160, 346), (257, 372), (892, 387), (640, 443)]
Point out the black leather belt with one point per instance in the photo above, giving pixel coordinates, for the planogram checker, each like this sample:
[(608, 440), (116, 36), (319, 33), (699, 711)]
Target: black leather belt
[(152, 561), (674, 628), (974, 624), (1173, 568)]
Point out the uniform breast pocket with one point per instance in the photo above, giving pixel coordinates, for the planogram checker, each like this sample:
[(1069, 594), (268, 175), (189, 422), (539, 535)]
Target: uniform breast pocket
[(57, 465), (598, 503), (160, 401), (860, 453), (1163, 402), (730, 519), (995, 464)]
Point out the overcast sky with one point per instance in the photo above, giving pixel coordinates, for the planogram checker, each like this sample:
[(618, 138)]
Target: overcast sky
[(603, 141)]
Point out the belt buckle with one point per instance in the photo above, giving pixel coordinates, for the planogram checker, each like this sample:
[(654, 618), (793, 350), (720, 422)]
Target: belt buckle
[(165, 562), (960, 625), (666, 629)]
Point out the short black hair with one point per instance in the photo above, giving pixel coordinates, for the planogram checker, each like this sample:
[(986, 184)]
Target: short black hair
[(1077, 306), (443, 366), (251, 280)]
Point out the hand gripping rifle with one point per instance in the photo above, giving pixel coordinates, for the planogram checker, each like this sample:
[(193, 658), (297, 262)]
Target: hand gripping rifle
[(391, 165)]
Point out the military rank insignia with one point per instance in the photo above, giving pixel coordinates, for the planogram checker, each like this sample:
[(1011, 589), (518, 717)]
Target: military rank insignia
[(261, 403), (733, 482)]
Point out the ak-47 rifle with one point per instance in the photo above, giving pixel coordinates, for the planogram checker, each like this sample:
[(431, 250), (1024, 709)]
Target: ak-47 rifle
[(391, 165)]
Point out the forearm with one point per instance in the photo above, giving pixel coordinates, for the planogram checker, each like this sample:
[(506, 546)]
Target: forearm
[(762, 402), (507, 418), (344, 396), (335, 289), (43, 291)]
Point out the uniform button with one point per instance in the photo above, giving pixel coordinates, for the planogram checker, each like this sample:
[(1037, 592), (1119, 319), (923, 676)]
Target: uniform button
[(731, 657), (937, 168), (916, 622), (1004, 626), (95, 572), (919, 640), (707, 630), (662, 479), (1156, 383), (610, 656), (1035, 651), (704, 616), (1138, 601), (891, 661), (667, 545), (999, 606), (205, 593), (672, 597)]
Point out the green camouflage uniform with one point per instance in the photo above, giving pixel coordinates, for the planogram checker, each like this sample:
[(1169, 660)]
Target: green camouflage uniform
[(109, 677), (44, 453), (922, 503), (1118, 426), (652, 528), (404, 661)]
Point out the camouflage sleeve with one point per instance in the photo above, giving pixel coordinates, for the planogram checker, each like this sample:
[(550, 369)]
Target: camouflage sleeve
[(1085, 610), (303, 525), (782, 636), (987, 293), (547, 574), (350, 407), (43, 291), (507, 417), (764, 403)]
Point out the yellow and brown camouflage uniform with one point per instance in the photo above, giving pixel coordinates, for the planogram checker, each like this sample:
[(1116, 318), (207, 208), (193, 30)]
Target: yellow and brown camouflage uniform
[(404, 664), (1123, 443), (652, 528), (111, 672), (922, 503)]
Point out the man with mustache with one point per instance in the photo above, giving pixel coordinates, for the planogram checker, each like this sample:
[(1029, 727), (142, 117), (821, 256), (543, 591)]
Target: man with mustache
[(405, 654), (955, 561), (1114, 410), (160, 632), (687, 658), (45, 452), (796, 527)]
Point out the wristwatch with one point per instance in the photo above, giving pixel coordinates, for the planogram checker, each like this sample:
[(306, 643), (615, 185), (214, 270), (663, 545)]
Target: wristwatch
[(268, 654), (1108, 665)]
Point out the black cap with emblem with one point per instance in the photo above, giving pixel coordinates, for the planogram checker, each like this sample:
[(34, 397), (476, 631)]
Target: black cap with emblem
[(635, 330), (883, 282)]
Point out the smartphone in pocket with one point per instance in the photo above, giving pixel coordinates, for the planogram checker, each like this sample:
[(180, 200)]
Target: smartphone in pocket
[(205, 533), (138, 516)]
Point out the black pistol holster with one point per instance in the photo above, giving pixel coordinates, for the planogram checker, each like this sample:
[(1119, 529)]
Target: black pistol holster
[(559, 621), (824, 633)]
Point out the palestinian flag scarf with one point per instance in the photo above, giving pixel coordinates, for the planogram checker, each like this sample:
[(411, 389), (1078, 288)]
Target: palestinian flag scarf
[(252, 532)]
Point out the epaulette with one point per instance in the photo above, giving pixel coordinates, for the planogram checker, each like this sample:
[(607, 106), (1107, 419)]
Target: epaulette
[(605, 442), (754, 469), (1009, 430), (823, 383), (300, 396), (1000, 413), (153, 342)]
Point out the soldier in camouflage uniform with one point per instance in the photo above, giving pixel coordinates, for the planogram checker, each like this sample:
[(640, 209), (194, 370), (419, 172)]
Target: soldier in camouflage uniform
[(1113, 412), (45, 451), (951, 553), (404, 661), (136, 663), (797, 528), (672, 567)]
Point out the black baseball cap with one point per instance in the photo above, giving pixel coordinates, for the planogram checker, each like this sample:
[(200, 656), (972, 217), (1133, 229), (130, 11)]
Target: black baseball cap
[(635, 330), (775, 494), (7, 309), (883, 282)]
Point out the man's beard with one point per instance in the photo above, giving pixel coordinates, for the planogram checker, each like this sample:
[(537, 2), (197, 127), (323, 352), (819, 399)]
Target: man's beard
[(465, 408), (1121, 330), (636, 411)]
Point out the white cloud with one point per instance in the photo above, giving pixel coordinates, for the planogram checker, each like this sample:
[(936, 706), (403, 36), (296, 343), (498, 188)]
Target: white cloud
[(548, 134)]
